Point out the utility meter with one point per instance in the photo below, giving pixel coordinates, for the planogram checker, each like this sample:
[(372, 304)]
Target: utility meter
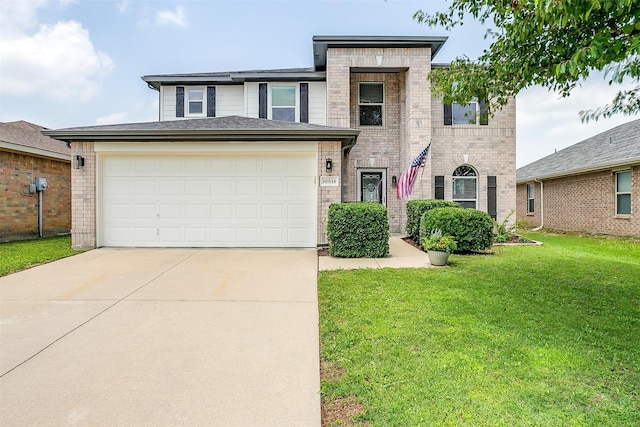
[(41, 184)]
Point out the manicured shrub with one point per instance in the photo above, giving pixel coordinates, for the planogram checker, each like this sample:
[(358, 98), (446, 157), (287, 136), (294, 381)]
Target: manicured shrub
[(472, 229), (417, 208), (358, 230)]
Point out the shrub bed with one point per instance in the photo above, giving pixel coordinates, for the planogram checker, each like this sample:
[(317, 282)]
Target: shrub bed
[(358, 230), (471, 228), (417, 208)]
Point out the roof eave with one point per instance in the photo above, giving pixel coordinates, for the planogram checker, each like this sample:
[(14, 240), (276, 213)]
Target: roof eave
[(206, 135), (580, 171), (239, 77), (322, 43)]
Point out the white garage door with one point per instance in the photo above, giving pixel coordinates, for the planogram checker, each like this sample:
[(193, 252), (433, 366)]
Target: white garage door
[(209, 200)]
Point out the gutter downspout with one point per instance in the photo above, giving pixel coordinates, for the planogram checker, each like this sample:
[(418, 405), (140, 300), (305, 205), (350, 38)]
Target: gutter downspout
[(541, 205)]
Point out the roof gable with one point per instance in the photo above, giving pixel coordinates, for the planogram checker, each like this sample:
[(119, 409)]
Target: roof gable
[(28, 135)]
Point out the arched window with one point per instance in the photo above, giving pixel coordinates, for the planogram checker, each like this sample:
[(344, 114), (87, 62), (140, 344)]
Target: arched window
[(465, 186)]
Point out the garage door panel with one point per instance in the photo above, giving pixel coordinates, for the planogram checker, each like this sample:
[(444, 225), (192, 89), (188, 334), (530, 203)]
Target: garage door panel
[(247, 211), (222, 211), (220, 200), (245, 187), (144, 187), (222, 187), (170, 211), (170, 187), (200, 187), (275, 211), (118, 186), (145, 211), (145, 235), (199, 211), (145, 166)]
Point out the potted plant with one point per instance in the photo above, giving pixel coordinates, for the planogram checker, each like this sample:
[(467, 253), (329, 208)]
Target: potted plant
[(439, 247)]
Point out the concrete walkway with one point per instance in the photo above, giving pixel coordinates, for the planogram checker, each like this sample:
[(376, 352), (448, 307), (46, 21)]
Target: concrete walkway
[(401, 255), (162, 337)]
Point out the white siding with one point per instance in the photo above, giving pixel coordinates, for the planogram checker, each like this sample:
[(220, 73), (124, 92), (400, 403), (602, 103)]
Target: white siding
[(167, 103), (251, 100), (318, 103), (230, 101)]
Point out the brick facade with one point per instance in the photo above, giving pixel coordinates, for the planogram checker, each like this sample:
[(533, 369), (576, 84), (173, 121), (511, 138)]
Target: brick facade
[(83, 227), (19, 208), (583, 203), (412, 119), (327, 195)]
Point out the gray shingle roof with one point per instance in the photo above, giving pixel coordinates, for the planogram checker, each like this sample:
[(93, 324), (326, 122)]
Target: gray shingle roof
[(228, 128), (28, 135), (616, 147), (235, 77)]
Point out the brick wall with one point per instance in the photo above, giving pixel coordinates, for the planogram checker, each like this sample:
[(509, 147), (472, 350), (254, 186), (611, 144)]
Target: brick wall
[(407, 119), (489, 149), (19, 208), (585, 203), (327, 195), (83, 198), (522, 199)]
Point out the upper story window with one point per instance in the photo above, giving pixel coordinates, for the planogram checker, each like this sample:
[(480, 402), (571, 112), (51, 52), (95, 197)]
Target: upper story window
[(473, 113), (283, 103), (195, 102), (623, 193), (531, 194), (465, 186), (371, 104)]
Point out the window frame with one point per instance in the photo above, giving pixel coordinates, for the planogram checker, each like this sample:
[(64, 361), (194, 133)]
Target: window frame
[(531, 198), (296, 100), (618, 193), (475, 177), (370, 104), (481, 114), (187, 101)]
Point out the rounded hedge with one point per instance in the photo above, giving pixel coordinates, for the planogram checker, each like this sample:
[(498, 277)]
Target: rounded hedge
[(417, 208), (358, 229), (471, 228)]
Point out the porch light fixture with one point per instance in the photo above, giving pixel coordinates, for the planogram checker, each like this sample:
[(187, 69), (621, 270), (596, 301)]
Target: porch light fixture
[(394, 181), (78, 162), (329, 165)]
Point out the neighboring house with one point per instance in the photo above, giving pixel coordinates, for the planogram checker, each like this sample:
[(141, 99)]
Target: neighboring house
[(592, 186), (255, 158), (26, 154)]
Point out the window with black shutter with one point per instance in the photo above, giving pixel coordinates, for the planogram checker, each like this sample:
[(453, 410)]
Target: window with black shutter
[(180, 101)]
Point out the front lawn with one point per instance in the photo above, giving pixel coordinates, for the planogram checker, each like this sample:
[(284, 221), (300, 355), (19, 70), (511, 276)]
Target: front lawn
[(539, 336), (15, 256)]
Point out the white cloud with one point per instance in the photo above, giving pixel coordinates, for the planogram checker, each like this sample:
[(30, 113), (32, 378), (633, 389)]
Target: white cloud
[(57, 60), (545, 122), (19, 15), (111, 119), (176, 18)]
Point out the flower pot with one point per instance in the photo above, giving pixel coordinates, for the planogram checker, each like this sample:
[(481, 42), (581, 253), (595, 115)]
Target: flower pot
[(438, 258)]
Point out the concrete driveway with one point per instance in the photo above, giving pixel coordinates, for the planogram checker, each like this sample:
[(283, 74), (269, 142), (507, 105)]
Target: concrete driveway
[(124, 337)]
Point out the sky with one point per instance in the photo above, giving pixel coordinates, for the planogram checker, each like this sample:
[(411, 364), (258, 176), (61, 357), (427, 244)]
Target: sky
[(66, 63)]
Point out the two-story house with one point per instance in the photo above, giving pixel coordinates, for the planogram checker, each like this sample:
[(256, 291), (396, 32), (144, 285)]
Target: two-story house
[(254, 158)]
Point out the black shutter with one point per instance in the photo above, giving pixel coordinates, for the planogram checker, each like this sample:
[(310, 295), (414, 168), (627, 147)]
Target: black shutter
[(180, 101), (211, 101), (439, 187), (448, 114), (304, 102), (262, 100), (484, 114), (492, 197)]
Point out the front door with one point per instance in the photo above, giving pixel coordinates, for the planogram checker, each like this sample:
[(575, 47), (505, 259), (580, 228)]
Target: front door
[(372, 187)]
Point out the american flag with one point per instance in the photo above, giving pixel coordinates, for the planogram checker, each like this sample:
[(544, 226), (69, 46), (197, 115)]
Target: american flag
[(408, 178)]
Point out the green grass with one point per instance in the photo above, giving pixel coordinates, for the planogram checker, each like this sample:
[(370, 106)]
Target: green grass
[(528, 336), (15, 256)]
